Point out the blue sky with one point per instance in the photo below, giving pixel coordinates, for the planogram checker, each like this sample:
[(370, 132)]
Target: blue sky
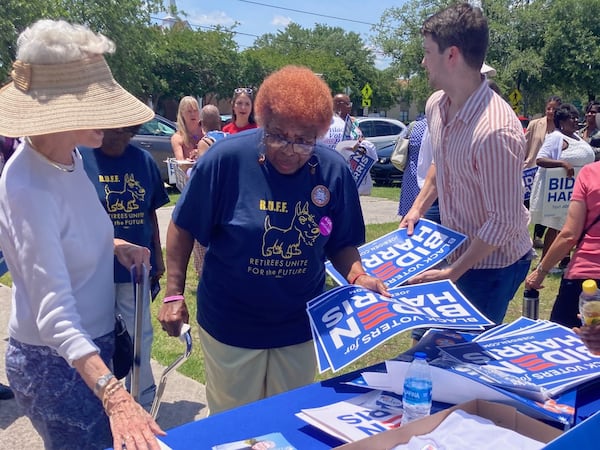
[(256, 19)]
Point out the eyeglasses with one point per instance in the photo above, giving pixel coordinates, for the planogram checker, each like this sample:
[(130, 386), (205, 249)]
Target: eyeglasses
[(278, 143), (244, 90)]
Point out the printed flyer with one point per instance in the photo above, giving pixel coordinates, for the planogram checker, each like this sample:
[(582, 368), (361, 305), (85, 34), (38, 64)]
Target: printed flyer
[(396, 257), (271, 441)]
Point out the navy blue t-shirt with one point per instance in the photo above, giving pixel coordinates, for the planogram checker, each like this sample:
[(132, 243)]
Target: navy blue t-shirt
[(268, 236), (130, 189)]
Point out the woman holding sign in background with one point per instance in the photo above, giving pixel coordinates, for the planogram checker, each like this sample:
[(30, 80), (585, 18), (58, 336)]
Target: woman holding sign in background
[(581, 230), (274, 205), (563, 149)]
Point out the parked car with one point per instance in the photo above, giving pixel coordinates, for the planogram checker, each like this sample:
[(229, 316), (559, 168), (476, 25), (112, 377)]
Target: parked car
[(155, 137), (381, 131), (383, 171)]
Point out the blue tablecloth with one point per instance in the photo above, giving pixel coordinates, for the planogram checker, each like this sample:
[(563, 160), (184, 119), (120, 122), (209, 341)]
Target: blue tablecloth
[(277, 414), (274, 414)]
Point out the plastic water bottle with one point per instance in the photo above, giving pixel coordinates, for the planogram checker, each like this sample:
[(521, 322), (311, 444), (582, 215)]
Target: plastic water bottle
[(589, 303), (416, 399)]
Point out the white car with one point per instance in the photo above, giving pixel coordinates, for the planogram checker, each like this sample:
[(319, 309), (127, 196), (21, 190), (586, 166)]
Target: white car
[(381, 131)]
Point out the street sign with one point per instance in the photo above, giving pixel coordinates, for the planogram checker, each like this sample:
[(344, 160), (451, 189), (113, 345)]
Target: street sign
[(366, 102), (515, 97), (366, 91)]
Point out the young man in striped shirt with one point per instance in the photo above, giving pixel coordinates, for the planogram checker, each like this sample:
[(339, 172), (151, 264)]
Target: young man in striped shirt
[(478, 153)]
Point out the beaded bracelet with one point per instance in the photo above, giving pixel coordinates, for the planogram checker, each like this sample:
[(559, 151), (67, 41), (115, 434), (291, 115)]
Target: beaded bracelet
[(173, 298), (357, 277), (109, 391)]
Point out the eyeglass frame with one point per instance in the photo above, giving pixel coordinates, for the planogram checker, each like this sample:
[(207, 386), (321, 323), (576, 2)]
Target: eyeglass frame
[(282, 146)]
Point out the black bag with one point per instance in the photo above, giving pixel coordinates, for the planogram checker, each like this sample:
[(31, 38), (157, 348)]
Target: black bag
[(123, 356)]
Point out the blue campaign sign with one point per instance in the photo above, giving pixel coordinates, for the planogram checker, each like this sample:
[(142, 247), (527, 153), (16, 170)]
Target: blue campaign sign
[(528, 176), (350, 321), (396, 257), (360, 164), (3, 266)]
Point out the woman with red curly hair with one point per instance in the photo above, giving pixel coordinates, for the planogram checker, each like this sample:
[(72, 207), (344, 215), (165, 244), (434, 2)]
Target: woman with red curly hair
[(271, 205)]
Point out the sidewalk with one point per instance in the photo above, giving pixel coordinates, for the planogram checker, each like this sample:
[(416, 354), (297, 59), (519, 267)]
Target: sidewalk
[(184, 399)]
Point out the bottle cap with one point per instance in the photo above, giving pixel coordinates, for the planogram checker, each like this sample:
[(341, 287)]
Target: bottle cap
[(531, 293), (589, 287), (420, 355)]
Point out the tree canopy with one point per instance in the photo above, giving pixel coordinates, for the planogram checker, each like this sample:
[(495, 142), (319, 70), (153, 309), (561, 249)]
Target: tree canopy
[(539, 47)]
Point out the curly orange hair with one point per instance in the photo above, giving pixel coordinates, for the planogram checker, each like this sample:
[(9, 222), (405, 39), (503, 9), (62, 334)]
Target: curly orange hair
[(297, 95)]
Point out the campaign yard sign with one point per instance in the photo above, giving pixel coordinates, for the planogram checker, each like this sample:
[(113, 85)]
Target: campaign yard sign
[(349, 321), (360, 163), (528, 176), (396, 257), (556, 192)]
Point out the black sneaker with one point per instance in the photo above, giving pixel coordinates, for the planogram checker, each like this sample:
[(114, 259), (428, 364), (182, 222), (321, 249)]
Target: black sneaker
[(5, 392)]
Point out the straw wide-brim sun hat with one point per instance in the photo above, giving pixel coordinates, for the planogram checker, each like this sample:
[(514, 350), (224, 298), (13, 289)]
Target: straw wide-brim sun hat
[(79, 95)]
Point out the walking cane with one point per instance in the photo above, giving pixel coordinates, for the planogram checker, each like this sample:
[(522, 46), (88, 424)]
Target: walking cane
[(184, 336), (141, 298)]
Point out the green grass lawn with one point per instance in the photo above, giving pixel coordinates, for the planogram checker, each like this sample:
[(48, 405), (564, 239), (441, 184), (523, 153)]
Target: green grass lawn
[(167, 349)]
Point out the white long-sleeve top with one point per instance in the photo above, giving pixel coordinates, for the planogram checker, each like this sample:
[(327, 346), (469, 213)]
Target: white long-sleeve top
[(58, 244)]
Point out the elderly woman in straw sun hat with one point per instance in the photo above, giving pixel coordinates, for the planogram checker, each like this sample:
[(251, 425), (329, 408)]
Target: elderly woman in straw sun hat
[(59, 245)]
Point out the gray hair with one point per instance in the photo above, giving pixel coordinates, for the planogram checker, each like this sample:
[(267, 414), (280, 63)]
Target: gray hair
[(57, 42)]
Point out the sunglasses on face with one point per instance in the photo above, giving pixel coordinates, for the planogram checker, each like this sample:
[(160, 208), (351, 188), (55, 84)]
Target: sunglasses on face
[(243, 90), (278, 143)]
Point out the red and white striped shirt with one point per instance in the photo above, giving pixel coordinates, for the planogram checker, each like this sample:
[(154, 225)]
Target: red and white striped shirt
[(479, 158)]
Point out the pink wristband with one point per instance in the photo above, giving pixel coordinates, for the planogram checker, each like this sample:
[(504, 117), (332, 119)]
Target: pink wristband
[(173, 298)]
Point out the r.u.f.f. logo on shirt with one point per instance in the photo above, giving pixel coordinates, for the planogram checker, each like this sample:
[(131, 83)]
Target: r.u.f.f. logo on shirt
[(127, 198), (286, 241)]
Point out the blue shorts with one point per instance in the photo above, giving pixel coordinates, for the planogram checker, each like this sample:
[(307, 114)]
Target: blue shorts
[(61, 407)]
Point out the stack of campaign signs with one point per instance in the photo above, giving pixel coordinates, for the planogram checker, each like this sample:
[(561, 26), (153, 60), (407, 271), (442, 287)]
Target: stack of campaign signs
[(396, 257), (349, 321), (531, 365)]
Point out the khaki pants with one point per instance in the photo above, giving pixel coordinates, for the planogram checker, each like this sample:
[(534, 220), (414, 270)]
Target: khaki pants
[(236, 376)]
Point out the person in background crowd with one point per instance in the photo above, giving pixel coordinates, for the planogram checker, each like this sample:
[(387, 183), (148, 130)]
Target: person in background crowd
[(590, 133), (582, 231), (210, 119), (189, 131), (275, 205), (410, 178), (478, 179), (334, 134), (59, 243), (561, 148), (534, 136), (129, 186), (242, 111), (211, 126)]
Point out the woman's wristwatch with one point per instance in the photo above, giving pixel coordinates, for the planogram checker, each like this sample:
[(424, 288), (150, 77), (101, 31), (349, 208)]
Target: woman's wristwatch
[(540, 270), (101, 383)]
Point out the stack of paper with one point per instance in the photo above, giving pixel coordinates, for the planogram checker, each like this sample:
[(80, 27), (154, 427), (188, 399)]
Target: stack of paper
[(358, 417), (531, 365)]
